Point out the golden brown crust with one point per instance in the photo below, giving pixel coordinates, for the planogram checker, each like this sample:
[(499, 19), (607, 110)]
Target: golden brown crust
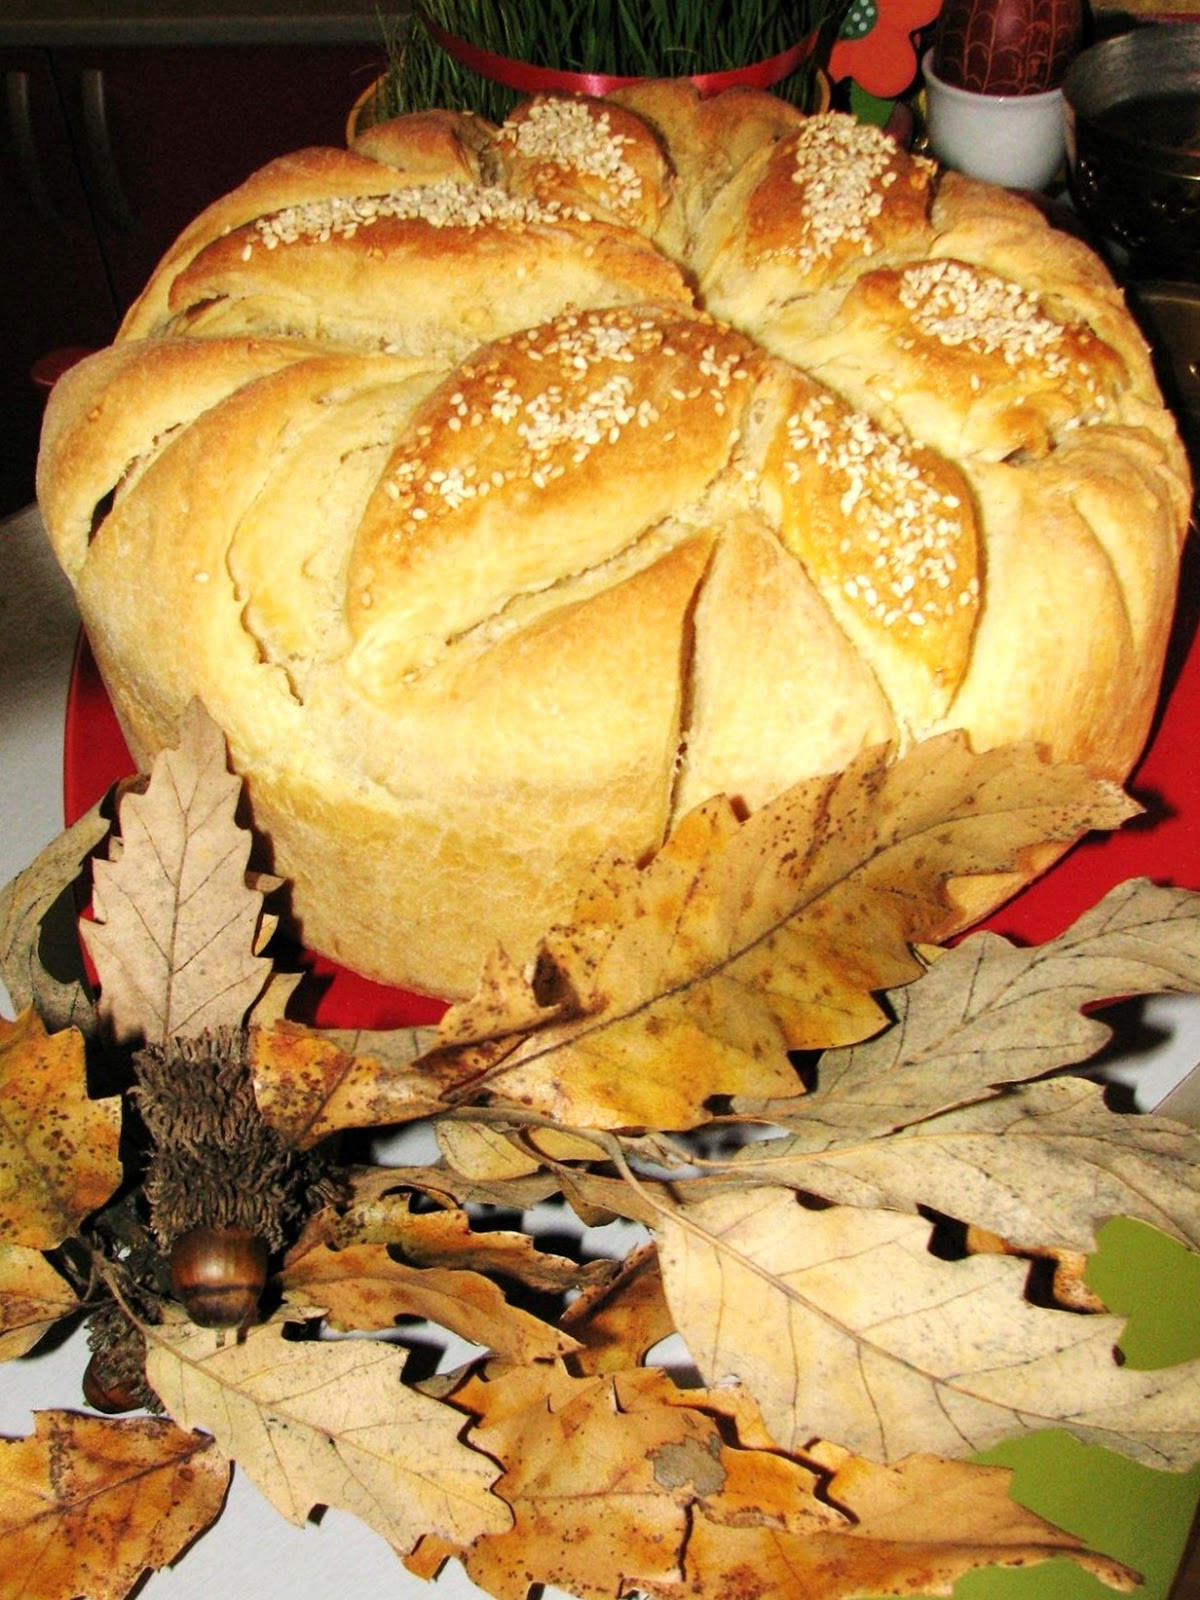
[(429, 144), (817, 207), (552, 417), (709, 139), (968, 360), (524, 487), (314, 174), (432, 268), (584, 153), (886, 530)]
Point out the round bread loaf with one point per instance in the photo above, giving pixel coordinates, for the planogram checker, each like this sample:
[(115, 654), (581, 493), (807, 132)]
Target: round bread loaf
[(505, 492)]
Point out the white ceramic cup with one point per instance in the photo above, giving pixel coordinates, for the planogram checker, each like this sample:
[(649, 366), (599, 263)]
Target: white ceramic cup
[(1017, 140)]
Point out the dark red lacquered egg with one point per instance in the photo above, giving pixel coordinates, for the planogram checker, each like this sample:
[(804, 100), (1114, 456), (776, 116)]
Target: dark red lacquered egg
[(1006, 46)]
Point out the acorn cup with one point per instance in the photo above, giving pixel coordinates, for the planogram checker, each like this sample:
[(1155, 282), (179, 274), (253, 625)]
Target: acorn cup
[(224, 1190), (114, 1380)]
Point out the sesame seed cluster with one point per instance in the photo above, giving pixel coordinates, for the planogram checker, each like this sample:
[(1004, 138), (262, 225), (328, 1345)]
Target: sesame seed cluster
[(906, 554), (570, 134), (542, 401), (962, 305), (845, 168), (441, 204)]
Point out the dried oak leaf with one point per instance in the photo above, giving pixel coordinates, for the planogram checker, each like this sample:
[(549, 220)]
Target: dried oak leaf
[(595, 1474), (58, 1148), (364, 1287), (849, 1327), (913, 1528), (693, 976), (312, 1084), (497, 1152), (380, 1186), (852, 1527), (87, 1504), (443, 1238), (1042, 1166), (626, 1482), (493, 1154), (619, 1322), (24, 905), (328, 1423), (176, 923), (916, 1116), (1069, 1286), (33, 1297)]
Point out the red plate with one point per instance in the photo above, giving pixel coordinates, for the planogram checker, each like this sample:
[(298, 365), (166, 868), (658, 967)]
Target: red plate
[(1164, 844)]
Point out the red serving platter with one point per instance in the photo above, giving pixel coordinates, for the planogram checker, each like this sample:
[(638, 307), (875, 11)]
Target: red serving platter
[(1162, 844)]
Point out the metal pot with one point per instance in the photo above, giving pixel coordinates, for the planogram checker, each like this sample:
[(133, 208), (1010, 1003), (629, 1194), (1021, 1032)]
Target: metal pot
[(1169, 314), (1132, 107)]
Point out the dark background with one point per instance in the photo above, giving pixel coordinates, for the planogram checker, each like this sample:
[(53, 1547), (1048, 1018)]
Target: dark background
[(122, 119)]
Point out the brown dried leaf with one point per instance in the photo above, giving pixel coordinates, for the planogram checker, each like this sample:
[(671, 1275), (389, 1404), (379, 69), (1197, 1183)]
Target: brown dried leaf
[(33, 1297), (1069, 1286), (619, 1322), (312, 1084), (363, 1287), (87, 1504), (856, 1527), (321, 1423), (446, 1238), (271, 1007), (626, 1482), (58, 1148), (593, 1472), (988, 1012), (848, 1327), (594, 1194), (917, 1116), (24, 905), (495, 1152), (1042, 1166), (693, 977), (176, 923), (914, 1528), (478, 1150), (370, 1186)]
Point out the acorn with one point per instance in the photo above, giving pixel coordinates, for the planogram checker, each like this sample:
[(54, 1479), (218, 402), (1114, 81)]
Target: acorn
[(218, 1275), (105, 1392)]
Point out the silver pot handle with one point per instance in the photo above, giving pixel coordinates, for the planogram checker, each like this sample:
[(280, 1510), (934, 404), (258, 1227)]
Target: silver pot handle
[(29, 164), (101, 160)]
